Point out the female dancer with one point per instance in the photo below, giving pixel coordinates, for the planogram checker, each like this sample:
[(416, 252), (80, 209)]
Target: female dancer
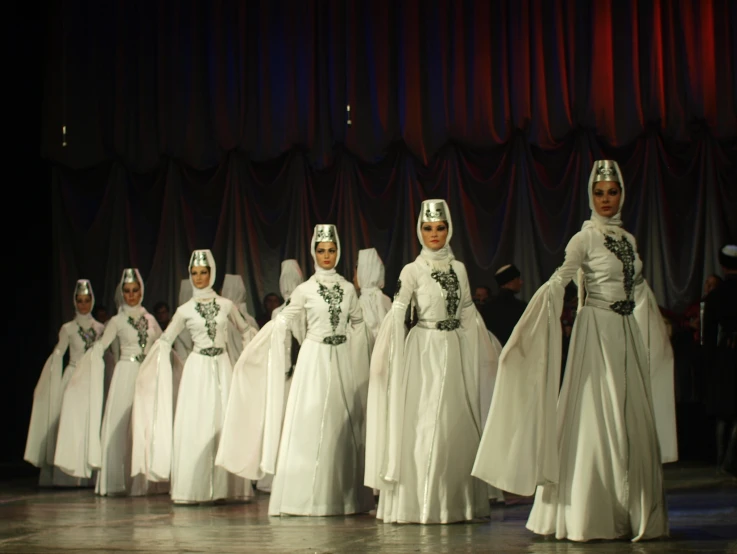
[(78, 336), (428, 388), (600, 471), (107, 446), (369, 281), (197, 404), (319, 467)]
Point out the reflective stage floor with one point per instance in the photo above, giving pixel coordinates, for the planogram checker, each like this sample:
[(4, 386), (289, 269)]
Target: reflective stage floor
[(703, 516)]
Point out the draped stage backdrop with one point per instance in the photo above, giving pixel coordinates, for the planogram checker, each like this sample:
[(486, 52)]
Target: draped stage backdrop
[(223, 125)]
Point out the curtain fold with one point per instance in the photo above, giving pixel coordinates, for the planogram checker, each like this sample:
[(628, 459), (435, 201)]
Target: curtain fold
[(224, 125)]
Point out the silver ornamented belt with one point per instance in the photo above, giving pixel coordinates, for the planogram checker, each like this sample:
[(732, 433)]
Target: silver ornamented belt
[(211, 352), (450, 324), (137, 358), (622, 307), (334, 340)]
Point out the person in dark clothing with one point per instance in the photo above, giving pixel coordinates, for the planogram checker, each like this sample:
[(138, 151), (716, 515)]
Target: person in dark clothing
[(502, 313), (162, 313), (720, 342), (271, 302), (481, 295)]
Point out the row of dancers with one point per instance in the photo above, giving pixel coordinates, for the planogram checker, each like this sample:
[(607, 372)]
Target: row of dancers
[(434, 417)]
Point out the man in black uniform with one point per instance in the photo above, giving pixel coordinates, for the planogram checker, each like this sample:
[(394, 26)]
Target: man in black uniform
[(720, 342), (502, 313)]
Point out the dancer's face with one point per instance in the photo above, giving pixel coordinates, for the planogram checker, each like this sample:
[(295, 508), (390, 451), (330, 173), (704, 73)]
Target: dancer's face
[(132, 293), (200, 276), (607, 196), (84, 303), (435, 234), (326, 254)]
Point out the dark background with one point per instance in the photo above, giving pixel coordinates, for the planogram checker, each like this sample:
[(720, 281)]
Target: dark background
[(28, 228), (222, 124)]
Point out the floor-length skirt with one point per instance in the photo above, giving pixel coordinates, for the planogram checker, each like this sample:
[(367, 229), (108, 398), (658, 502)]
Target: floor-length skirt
[(114, 476), (440, 437), (51, 475), (320, 464), (610, 482), (264, 484), (201, 401)]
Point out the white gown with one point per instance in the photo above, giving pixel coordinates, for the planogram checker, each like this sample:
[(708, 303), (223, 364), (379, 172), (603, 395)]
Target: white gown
[(136, 335), (427, 398), (600, 470), (199, 407), (319, 470), (78, 336)]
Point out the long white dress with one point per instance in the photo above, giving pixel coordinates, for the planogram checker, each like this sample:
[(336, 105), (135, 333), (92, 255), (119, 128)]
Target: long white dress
[(188, 452), (136, 333), (600, 469), (89, 440), (319, 467), (427, 398), (78, 336)]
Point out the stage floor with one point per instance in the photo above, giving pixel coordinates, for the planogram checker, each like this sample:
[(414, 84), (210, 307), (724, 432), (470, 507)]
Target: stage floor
[(703, 515)]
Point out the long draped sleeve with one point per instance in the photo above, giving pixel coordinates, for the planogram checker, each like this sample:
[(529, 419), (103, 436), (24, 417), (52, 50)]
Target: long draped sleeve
[(482, 351), (249, 440), (41, 441), (361, 343), (81, 411), (660, 359), (154, 404), (240, 333), (386, 383), (522, 420)]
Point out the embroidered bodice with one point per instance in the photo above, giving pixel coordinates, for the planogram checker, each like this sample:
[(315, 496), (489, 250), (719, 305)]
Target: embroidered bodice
[(136, 334), (329, 309), (207, 321), (611, 267), (78, 336), (440, 298)]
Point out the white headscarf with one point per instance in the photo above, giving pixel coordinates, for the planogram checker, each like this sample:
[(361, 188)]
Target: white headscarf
[(370, 271), (325, 233), (83, 287), (132, 311), (291, 277), (370, 275), (196, 260), (234, 289), (185, 291), (607, 225), (432, 211)]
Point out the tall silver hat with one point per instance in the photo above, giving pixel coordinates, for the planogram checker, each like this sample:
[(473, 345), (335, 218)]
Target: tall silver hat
[(83, 287), (606, 170), (326, 232), (433, 210), (130, 275), (199, 259)]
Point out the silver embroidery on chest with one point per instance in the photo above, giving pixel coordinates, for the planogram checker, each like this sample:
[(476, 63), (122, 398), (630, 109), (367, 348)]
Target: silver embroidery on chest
[(141, 327), (624, 252), (334, 298), (88, 336), (209, 311), (448, 281)]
